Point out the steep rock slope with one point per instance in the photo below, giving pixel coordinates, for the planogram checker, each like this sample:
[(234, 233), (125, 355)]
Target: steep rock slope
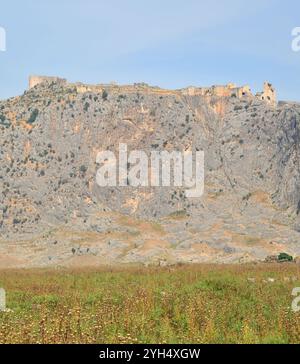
[(52, 211)]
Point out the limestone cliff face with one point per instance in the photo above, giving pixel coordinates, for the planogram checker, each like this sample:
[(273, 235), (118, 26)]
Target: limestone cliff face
[(53, 212)]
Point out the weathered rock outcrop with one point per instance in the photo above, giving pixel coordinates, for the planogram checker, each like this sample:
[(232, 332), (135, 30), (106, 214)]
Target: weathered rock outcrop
[(53, 212)]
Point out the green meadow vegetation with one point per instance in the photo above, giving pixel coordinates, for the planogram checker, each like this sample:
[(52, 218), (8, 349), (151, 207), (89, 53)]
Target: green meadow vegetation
[(182, 304)]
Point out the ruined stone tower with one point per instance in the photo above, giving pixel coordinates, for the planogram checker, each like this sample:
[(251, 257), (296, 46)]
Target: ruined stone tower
[(268, 95), (35, 80)]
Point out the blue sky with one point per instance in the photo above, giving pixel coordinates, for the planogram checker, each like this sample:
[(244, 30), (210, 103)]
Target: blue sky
[(168, 43)]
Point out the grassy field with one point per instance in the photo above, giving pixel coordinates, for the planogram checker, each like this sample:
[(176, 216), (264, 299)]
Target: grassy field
[(186, 304)]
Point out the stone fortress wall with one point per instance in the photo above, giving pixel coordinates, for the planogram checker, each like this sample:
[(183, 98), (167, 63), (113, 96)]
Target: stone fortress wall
[(35, 80), (268, 94)]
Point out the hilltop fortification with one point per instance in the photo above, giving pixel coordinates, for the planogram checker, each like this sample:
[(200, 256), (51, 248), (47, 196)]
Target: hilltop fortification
[(230, 90), (36, 80)]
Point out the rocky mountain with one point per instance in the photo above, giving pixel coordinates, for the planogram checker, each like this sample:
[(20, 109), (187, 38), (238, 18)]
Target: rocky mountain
[(52, 212)]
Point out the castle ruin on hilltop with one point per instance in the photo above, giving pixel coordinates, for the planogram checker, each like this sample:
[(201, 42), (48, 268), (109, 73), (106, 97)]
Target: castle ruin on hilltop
[(268, 94), (231, 90), (36, 80)]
